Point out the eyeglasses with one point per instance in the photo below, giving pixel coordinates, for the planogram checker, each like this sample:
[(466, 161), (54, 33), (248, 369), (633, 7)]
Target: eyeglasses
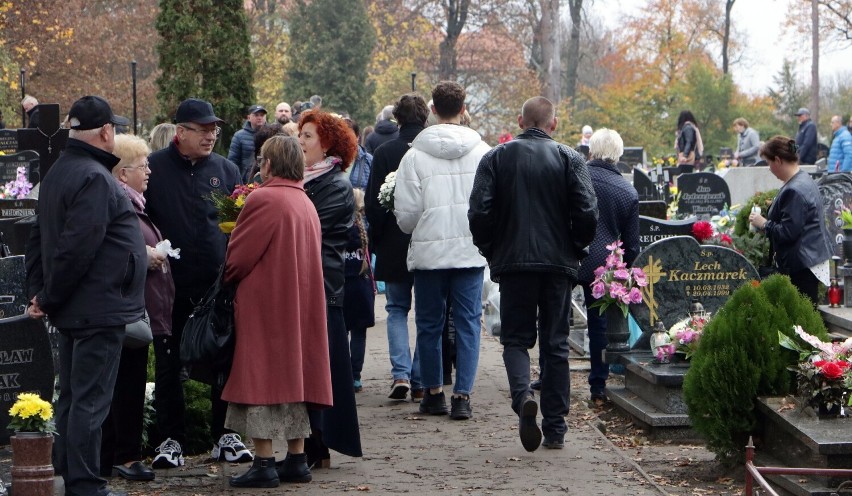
[(142, 167), (206, 132)]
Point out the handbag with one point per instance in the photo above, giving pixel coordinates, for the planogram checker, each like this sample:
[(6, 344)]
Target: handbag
[(138, 334), (208, 336)]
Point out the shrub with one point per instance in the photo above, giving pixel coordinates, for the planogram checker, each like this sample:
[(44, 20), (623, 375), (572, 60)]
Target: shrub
[(739, 359), (753, 245)]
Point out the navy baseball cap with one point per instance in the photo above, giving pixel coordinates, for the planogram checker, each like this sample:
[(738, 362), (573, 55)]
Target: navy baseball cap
[(92, 112), (197, 111), (256, 108)]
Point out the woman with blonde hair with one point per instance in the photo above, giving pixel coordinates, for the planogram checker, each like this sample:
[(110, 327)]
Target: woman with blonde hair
[(161, 136)]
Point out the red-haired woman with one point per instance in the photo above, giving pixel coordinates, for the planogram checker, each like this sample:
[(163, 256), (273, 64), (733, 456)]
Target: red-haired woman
[(330, 146)]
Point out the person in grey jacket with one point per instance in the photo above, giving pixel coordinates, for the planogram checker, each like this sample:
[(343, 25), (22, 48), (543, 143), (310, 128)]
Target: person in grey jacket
[(86, 265), (800, 245), (806, 138), (748, 142)]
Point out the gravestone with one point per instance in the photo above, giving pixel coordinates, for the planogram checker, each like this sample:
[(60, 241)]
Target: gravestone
[(836, 190), (702, 194), (16, 218), (652, 230), (633, 156), (10, 163), (653, 208), (679, 269), (48, 140), (8, 140), (26, 364), (13, 291), (646, 188)]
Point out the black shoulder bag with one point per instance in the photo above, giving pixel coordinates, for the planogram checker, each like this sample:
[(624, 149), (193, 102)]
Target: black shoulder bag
[(208, 336)]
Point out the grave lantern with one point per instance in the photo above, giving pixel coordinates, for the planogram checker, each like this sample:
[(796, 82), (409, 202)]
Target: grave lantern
[(660, 338), (696, 310)]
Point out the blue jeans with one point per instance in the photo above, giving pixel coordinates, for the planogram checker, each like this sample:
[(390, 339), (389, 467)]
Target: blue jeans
[(599, 372), (398, 305), (432, 288)]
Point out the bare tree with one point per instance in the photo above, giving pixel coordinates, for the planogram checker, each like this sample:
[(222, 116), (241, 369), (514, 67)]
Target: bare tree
[(726, 37), (549, 35), (815, 62), (575, 7), (456, 12)]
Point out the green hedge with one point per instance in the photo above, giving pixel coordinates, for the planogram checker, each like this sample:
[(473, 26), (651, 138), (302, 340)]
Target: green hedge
[(739, 359)]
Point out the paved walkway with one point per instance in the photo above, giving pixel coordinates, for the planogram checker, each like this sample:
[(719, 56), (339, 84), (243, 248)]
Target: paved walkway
[(406, 452)]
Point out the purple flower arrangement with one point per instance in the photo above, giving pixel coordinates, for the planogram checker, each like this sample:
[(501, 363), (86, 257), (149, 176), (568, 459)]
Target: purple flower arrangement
[(617, 284), (17, 189)]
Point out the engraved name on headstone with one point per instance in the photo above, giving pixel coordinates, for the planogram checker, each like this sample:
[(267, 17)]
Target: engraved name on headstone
[(702, 194), (652, 230)]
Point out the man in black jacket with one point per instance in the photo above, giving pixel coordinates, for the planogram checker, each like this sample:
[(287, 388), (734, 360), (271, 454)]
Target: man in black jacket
[(390, 245), (86, 264), (182, 177), (385, 130), (533, 213), (806, 138)]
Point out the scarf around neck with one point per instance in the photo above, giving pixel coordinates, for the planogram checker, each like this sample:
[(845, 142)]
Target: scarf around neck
[(137, 198), (314, 171)]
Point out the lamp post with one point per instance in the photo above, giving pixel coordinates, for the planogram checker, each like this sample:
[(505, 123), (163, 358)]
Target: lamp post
[(133, 76), (413, 78), (23, 94)]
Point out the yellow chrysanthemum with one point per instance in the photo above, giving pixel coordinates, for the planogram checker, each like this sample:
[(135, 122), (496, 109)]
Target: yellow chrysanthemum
[(241, 200)]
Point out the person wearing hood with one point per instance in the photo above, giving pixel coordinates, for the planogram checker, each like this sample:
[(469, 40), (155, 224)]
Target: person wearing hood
[(241, 151), (385, 130), (433, 184)]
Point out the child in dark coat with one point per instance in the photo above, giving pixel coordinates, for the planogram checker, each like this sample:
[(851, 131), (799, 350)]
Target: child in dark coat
[(359, 296)]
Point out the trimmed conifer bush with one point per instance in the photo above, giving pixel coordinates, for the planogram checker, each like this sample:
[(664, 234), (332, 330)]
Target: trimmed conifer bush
[(739, 359)]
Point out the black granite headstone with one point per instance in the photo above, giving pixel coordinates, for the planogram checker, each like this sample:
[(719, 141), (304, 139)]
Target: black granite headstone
[(836, 190), (652, 230), (653, 208), (633, 155), (702, 194), (678, 270), (13, 282), (644, 186), (9, 166), (48, 140), (26, 364), (8, 140)]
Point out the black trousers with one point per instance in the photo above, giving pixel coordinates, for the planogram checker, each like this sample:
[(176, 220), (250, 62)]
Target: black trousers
[(88, 366), (523, 296), (807, 284), (122, 429)]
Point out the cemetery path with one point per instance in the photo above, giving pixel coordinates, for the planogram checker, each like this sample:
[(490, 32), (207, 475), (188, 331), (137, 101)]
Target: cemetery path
[(406, 452)]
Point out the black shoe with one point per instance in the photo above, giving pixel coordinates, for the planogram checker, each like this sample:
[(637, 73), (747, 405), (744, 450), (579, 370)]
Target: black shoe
[(554, 442), (536, 385), (116, 493), (317, 453), (528, 428), (294, 468), (261, 474), (433, 404), (399, 389), (135, 472), (460, 408)]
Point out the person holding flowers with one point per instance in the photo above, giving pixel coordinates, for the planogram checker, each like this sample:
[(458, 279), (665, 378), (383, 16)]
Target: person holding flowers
[(281, 362), (532, 215), (617, 233)]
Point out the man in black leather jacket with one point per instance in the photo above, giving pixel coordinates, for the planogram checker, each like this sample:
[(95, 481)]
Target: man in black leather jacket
[(533, 213)]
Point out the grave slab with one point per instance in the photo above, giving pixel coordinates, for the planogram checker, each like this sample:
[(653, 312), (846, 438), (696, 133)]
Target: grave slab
[(13, 282), (836, 191), (744, 182), (652, 230), (702, 194)]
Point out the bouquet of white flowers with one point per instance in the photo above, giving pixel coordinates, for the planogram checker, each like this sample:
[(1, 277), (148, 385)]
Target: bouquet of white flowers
[(386, 191)]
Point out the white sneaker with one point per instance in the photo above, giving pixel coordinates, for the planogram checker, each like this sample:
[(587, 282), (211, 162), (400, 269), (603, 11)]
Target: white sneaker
[(170, 455), (230, 448)]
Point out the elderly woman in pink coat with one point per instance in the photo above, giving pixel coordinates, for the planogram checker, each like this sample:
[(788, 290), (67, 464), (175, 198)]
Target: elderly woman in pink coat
[(281, 363)]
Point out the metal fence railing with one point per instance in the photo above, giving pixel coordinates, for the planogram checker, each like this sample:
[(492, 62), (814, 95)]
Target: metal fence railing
[(754, 475)]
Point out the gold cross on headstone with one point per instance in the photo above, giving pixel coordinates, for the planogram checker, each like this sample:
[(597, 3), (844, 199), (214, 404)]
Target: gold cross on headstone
[(653, 272)]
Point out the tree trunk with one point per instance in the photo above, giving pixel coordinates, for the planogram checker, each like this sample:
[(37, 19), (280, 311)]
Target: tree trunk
[(456, 17), (573, 62), (726, 37), (815, 62), (550, 74)]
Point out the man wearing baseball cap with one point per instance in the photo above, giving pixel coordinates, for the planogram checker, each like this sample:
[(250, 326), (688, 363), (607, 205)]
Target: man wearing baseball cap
[(86, 263), (242, 144), (806, 138), (182, 178)]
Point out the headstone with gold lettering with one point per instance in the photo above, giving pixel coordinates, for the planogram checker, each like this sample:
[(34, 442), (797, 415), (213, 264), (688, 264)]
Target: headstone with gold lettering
[(8, 140), (26, 364), (678, 270), (13, 290), (702, 194)]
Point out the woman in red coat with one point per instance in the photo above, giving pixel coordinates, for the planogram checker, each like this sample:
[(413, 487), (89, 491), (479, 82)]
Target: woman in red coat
[(281, 363)]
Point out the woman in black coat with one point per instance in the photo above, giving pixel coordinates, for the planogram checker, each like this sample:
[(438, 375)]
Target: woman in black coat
[(330, 146)]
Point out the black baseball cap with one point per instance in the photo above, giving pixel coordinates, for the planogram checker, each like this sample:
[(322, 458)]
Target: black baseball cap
[(197, 111), (92, 112), (256, 108)]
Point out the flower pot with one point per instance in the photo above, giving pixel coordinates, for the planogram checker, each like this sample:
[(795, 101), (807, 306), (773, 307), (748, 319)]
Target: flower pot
[(825, 412), (617, 330), (32, 470)]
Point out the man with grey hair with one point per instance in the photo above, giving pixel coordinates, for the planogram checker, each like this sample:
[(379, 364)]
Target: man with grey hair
[(30, 106), (86, 262), (385, 130), (535, 188), (618, 219), (316, 102)]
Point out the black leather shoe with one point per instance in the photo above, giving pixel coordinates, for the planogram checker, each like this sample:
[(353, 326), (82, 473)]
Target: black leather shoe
[(294, 468), (528, 428), (536, 385), (135, 472), (261, 474), (116, 493), (553, 442), (433, 404)]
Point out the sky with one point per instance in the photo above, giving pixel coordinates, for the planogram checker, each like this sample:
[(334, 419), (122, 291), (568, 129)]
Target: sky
[(767, 43)]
